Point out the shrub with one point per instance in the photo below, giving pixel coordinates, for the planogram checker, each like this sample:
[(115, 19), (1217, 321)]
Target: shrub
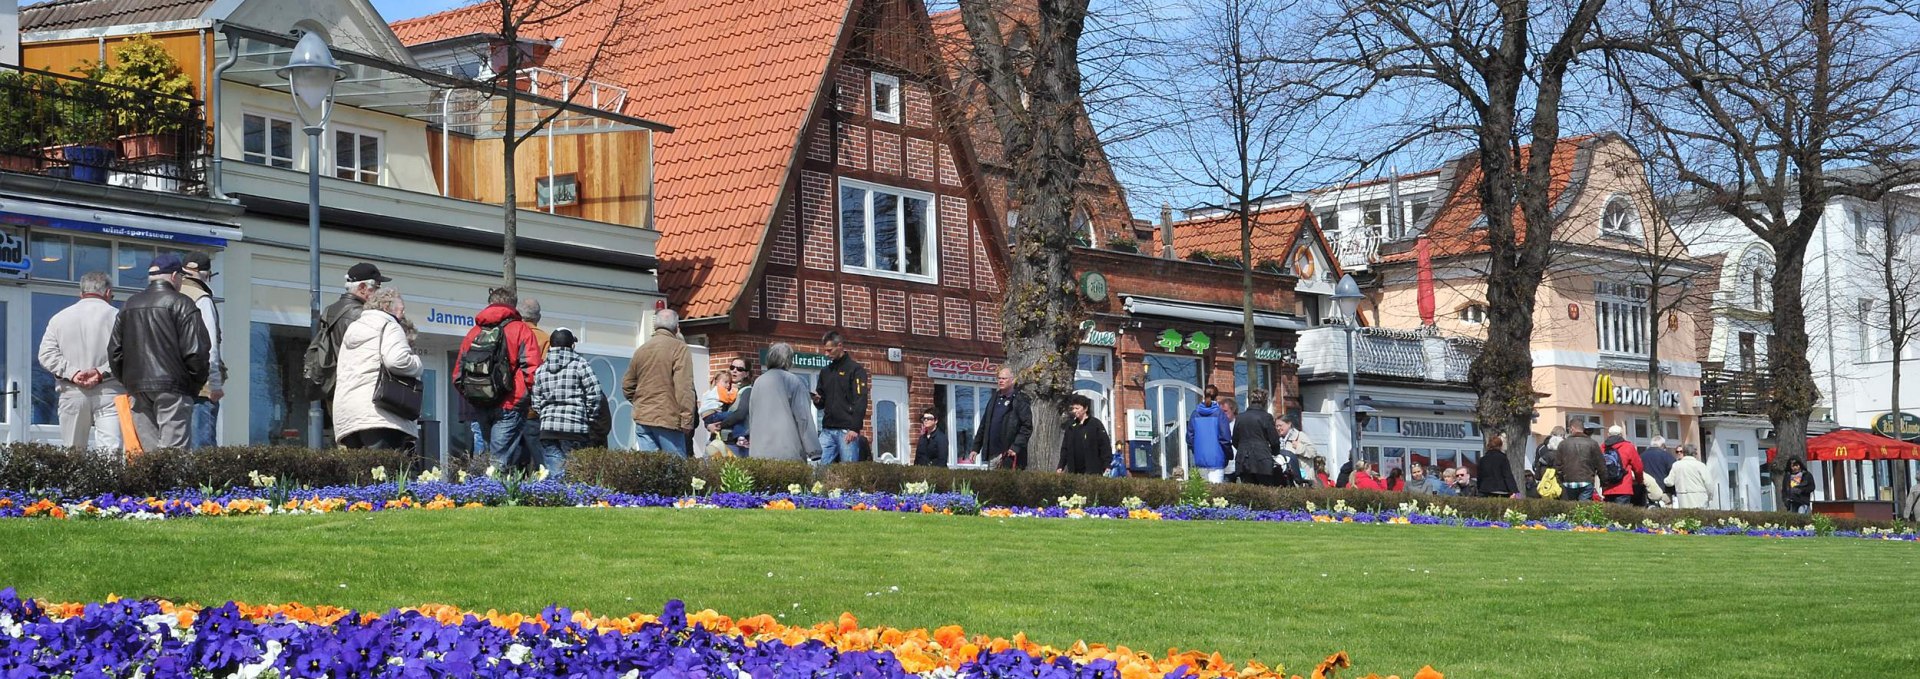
[(35, 466)]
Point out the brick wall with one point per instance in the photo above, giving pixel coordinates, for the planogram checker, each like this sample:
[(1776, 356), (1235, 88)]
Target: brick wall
[(949, 173), (786, 241), (886, 153), (821, 303), (891, 311), (955, 236), (919, 104), (959, 317), (926, 314), (818, 219), (920, 159), (987, 314), (856, 306), (783, 298), (853, 146), (852, 83)]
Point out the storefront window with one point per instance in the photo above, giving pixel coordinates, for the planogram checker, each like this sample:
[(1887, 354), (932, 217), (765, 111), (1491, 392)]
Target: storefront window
[(962, 405), (609, 369), (1173, 390), (277, 404), (58, 257), (130, 269), (45, 394), (1263, 379)]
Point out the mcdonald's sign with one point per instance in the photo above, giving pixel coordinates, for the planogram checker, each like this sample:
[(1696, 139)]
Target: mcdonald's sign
[(1605, 392)]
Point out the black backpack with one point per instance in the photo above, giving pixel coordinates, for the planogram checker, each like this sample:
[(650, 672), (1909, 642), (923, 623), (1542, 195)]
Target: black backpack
[(321, 360), (486, 368), (1612, 472)]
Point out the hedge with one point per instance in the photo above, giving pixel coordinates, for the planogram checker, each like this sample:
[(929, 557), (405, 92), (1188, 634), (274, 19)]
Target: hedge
[(45, 467)]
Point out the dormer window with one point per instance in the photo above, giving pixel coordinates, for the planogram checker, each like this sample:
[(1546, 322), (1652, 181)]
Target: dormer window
[(1621, 219), (885, 95)]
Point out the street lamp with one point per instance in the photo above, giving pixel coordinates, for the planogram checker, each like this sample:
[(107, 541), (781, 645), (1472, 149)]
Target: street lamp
[(1347, 296), (311, 73)]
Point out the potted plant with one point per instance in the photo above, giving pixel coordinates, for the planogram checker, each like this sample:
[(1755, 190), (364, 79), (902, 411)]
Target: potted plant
[(1270, 266), (1123, 244), (158, 112), (84, 135), (28, 115)]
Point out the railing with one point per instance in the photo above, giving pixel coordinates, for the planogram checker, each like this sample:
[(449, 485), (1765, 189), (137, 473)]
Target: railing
[(1357, 247), (1744, 392), (90, 131)]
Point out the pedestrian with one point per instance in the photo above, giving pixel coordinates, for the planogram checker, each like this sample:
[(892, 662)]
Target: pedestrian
[(1691, 483), (1296, 451), (1001, 436), (1578, 462), (1658, 461), (841, 396), (718, 398), (159, 352), (498, 360), (732, 426), (1419, 482), (196, 282), (1543, 454), (659, 384), (1363, 478), (378, 343), (931, 449), (323, 350), (1228, 411), (1397, 480), (1496, 471), (780, 419), (529, 309), (1208, 436), (1621, 455), (1449, 483), (567, 394), (74, 351), (1799, 487), (1085, 446), (1256, 442)]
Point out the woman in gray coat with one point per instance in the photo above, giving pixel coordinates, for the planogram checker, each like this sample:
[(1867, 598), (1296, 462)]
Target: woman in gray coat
[(780, 422)]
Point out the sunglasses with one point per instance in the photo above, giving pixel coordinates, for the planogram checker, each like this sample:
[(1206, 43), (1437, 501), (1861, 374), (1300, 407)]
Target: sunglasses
[(929, 418), (737, 368)]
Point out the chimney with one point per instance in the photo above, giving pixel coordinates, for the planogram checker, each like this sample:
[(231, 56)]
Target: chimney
[(1166, 231), (10, 32)]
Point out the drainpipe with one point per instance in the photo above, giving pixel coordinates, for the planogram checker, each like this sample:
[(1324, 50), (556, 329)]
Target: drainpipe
[(214, 185)]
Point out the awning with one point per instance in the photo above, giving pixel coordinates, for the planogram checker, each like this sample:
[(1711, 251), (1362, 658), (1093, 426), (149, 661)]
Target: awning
[(1849, 445), (34, 214), (1416, 405), (1207, 313)]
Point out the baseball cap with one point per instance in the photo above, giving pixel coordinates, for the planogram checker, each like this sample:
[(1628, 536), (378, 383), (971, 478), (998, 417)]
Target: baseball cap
[(198, 263), (365, 272), (164, 264)]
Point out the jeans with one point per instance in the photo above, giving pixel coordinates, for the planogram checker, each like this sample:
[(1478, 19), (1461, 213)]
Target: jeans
[(1620, 499), (1576, 492), (479, 438), (834, 447), (506, 438), (553, 454), (1803, 509), (648, 439), (206, 423)]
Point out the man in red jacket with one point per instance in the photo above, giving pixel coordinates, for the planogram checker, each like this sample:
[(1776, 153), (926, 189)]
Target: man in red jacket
[(502, 401), (1617, 444)]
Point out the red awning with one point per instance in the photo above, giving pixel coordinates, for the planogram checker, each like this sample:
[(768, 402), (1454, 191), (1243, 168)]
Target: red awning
[(1847, 444)]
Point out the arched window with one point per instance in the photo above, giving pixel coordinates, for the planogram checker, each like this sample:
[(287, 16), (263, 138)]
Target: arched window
[(1620, 219)]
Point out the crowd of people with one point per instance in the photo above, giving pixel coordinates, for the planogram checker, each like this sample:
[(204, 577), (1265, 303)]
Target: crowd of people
[(1571, 465)]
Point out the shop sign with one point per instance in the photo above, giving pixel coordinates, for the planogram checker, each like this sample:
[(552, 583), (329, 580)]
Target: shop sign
[(437, 316), (1434, 429), (1909, 428), (962, 370), (1172, 340), (1266, 353), (1097, 338), (802, 360), (1093, 286), (1605, 392), (37, 221), (1139, 425), (15, 262)]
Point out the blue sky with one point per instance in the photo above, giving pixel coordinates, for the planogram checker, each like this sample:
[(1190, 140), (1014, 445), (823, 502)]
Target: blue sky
[(395, 10)]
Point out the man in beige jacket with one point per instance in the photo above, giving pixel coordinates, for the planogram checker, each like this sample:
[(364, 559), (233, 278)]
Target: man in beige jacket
[(74, 349), (1692, 484), (659, 384)]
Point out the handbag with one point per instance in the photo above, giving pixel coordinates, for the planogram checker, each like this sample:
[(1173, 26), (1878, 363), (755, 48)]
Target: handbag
[(398, 394), (1549, 486)]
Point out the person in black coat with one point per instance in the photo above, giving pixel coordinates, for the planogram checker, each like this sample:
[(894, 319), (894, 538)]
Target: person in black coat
[(1085, 447), (1255, 440), (1496, 473), (1005, 425), (1799, 487), (931, 449)]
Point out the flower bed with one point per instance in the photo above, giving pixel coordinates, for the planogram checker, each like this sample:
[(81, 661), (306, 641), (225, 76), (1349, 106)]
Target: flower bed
[(484, 492), (164, 640)]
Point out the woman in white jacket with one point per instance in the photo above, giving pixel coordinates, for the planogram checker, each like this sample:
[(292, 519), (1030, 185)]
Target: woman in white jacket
[(381, 338)]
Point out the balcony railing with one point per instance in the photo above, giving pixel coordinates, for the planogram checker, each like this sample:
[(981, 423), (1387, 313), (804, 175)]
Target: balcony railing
[(90, 131), (1356, 248), (1742, 392)]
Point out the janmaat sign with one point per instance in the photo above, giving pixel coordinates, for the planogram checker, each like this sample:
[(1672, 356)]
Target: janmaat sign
[(1908, 429)]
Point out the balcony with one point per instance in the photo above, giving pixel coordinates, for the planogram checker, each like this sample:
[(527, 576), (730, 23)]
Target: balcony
[(1356, 248), (1417, 354), (91, 131), (1735, 392)]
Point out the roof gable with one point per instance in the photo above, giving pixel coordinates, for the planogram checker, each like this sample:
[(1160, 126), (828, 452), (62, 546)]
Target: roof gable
[(738, 79), (1458, 227)]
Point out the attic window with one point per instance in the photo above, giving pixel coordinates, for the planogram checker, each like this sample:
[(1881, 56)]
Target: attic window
[(1621, 219), (885, 91)]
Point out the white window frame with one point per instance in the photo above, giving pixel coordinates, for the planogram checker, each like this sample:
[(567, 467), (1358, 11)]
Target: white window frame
[(930, 250), (1631, 229), (892, 82), (333, 153), (1863, 334), (1473, 313), (1083, 225), (1620, 320), (266, 157), (956, 447)]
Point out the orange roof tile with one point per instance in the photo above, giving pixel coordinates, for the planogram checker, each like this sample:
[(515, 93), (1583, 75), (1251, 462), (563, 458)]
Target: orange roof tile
[(1453, 232), (1274, 231), (736, 78)]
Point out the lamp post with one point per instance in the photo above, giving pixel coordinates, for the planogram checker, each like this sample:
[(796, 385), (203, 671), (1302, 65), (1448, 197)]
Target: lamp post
[(311, 73), (1347, 295)]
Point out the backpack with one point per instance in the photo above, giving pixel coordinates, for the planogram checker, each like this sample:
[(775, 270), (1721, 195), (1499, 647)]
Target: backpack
[(486, 368), (321, 360), (1612, 472)]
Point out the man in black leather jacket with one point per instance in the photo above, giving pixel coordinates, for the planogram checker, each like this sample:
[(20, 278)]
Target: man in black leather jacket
[(159, 352), (1006, 422)]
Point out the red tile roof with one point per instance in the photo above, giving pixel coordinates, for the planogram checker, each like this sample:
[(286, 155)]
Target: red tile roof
[(1453, 232), (1274, 231), (736, 78)]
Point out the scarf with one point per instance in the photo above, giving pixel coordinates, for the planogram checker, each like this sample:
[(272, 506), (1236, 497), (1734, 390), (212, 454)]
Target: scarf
[(727, 394)]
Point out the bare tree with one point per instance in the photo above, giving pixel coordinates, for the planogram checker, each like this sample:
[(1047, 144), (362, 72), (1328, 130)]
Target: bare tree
[(1497, 72), (1238, 118), (1030, 72), (518, 20), (1890, 268), (1753, 104)]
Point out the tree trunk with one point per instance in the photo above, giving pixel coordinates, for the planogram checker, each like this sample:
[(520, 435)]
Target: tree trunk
[(1790, 405), (1653, 352), (510, 147)]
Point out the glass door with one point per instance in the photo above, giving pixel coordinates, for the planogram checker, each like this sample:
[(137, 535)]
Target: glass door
[(890, 421), (1173, 391), (1093, 378), (15, 372)]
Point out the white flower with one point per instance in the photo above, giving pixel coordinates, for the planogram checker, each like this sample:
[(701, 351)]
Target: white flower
[(541, 475), (793, 489), (380, 473), (463, 475), (428, 476), (1218, 502), (517, 653), (835, 493), (699, 484), (819, 487)]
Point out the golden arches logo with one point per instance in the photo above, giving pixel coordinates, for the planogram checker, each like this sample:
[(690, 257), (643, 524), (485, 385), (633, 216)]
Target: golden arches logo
[(1603, 389)]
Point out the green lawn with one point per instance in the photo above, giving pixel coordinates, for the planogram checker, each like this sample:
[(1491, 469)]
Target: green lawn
[(1472, 602)]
